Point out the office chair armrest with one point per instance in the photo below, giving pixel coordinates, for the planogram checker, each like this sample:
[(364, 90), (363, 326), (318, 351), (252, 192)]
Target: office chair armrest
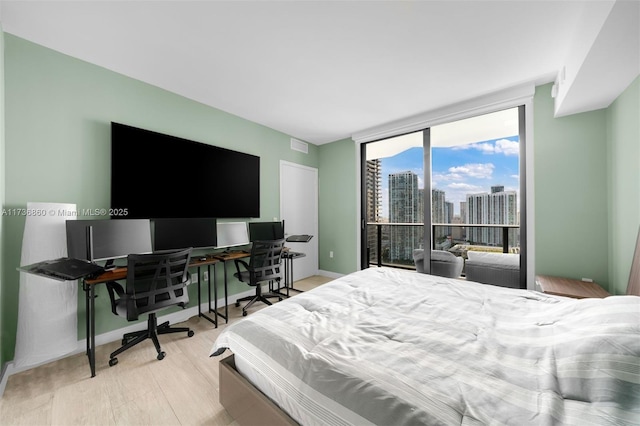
[(240, 261), (115, 288)]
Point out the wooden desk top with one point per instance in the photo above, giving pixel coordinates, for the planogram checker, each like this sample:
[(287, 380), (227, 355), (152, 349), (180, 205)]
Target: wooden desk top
[(120, 273), (224, 257), (569, 287), (112, 275)]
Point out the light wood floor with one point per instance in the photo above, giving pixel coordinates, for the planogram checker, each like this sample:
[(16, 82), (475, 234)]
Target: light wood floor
[(182, 389)]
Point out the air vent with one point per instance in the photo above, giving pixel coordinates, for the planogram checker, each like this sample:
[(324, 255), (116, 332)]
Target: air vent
[(297, 145)]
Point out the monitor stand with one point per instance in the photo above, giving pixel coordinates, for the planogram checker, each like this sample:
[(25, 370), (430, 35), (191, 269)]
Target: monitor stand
[(109, 265)]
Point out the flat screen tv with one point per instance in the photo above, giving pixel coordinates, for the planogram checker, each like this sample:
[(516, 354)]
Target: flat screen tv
[(154, 176)]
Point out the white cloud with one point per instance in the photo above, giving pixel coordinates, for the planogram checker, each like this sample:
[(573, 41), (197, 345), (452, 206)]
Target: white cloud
[(501, 146), (474, 170), (507, 147), (459, 173), (465, 187)]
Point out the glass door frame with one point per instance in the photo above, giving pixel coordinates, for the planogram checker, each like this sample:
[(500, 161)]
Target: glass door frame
[(427, 234)]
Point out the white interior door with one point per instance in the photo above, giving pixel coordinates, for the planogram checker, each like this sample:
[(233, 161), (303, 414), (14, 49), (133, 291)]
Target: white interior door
[(299, 210)]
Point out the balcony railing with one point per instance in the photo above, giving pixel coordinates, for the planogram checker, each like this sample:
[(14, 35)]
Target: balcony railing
[(392, 244)]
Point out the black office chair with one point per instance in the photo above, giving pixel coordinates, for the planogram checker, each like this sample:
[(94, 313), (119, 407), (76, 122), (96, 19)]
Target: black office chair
[(154, 282), (265, 264)]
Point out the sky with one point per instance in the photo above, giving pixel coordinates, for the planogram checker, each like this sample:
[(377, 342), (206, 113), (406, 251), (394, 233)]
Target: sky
[(459, 170)]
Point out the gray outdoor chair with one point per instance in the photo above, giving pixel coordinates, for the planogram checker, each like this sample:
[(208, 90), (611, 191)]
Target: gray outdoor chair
[(443, 263)]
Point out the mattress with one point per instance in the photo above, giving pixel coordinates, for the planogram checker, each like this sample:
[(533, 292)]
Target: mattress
[(386, 346)]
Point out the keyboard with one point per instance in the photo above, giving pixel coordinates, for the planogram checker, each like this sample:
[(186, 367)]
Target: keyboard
[(65, 269)]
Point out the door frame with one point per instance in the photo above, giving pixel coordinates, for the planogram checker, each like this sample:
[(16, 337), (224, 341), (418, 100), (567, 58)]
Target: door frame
[(315, 239)]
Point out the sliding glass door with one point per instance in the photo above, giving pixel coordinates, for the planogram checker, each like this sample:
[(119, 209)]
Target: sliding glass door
[(457, 187)]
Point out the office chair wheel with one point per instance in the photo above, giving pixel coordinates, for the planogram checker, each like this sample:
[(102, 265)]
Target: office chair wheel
[(237, 304), (190, 333), (244, 313), (161, 355), (113, 361)]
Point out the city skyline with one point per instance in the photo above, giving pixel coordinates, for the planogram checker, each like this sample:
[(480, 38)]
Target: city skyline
[(458, 171)]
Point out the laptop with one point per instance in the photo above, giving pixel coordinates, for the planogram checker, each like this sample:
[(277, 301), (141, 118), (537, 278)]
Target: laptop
[(64, 268)]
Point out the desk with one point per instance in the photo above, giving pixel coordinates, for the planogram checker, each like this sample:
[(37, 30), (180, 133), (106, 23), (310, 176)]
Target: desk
[(224, 258), (88, 285)]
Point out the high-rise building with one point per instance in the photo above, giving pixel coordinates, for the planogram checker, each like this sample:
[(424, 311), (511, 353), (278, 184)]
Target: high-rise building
[(448, 217), (374, 204), (404, 207), (463, 219), (438, 213), (478, 212), (498, 207), (374, 189)]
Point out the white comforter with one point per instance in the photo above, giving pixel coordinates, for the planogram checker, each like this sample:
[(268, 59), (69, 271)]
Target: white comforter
[(392, 347)]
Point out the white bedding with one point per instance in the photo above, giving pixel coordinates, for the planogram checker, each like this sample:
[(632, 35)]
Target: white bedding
[(390, 347)]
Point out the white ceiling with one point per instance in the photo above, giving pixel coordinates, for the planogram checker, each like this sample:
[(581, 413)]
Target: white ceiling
[(322, 71)]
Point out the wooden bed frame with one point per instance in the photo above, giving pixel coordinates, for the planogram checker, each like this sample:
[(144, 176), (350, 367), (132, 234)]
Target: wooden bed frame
[(244, 402), (250, 407)]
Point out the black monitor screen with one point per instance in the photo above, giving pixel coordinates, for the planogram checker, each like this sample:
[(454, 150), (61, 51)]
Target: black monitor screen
[(183, 233), (112, 239), (260, 231)]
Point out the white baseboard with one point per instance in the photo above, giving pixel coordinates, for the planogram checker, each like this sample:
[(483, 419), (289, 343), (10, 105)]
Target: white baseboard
[(329, 274)]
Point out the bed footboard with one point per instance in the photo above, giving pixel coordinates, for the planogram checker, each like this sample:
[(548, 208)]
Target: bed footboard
[(244, 402)]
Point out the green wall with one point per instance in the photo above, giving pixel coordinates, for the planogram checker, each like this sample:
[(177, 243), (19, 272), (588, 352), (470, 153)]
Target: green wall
[(338, 206), (623, 164), (570, 192), (58, 113), (2, 177)]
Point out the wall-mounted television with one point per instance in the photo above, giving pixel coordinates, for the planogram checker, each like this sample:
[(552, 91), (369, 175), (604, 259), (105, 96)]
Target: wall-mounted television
[(154, 176)]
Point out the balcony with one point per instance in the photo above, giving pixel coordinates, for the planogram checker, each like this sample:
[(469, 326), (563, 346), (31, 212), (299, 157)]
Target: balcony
[(392, 244)]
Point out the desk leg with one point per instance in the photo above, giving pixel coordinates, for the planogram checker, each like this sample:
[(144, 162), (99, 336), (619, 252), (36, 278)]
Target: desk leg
[(91, 326), (291, 277), (87, 311), (209, 289), (285, 261), (200, 314), (215, 294), (226, 304)]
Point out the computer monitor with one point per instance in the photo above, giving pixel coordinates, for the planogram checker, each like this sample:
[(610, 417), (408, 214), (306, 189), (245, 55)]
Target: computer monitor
[(232, 234), (260, 231), (110, 239), (176, 233)]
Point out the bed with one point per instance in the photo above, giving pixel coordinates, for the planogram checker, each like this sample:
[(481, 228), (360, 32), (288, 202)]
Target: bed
[(388, 347)]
